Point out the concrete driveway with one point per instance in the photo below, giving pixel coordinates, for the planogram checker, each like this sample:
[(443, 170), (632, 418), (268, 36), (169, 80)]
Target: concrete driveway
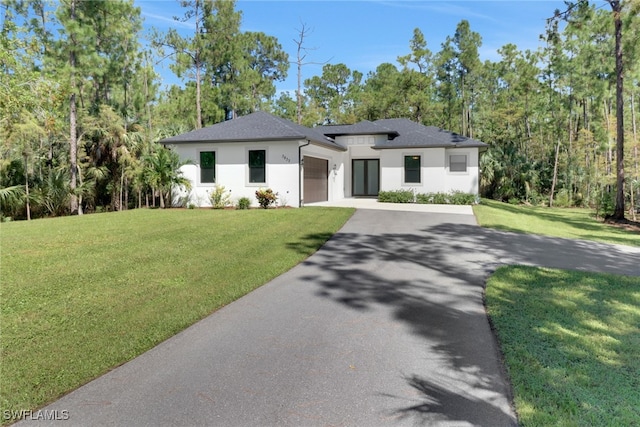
[(383, 326)]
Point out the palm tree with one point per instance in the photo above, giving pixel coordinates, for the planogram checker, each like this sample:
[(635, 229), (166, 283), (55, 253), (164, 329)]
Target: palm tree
[(113, 142), (163, 172), (10, 199)]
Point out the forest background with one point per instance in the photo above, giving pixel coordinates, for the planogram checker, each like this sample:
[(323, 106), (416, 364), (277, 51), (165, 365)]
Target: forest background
[(82, 109)]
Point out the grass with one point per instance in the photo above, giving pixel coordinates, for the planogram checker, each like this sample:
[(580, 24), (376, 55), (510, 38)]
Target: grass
[(556, 222), (571, 343), (81, 295), (570, 339)]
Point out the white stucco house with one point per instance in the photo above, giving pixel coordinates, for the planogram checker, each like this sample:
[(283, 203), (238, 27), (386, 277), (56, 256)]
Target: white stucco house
[(326, 163)]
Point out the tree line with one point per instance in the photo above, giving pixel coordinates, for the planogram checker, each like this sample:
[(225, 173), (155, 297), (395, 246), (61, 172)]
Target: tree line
[(81, 108)]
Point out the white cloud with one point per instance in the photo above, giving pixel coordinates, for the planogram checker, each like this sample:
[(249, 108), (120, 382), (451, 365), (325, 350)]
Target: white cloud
[(168, 20), (444, 8)]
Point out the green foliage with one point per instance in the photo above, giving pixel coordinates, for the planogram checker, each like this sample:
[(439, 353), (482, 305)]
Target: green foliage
[(513, 201), (335, 92), (462, 198), (435, 198), (407, 196), (605, 202), (243, 203), (54, 193), (266, 197), (563, 199), (11, 200), (68, 317), (451, 198), (570, 341), (219, 197), (396, 196), (162, 172)]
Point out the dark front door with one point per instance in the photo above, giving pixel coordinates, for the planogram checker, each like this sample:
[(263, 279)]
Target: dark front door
[(366, 177)]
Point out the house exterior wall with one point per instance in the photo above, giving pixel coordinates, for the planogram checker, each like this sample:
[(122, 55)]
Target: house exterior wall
[(469, 181), (232, 170), (435, 174), (432, 178), (358, 147), (284, 175)]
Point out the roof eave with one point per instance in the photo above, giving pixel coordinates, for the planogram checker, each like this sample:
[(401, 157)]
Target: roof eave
[(195, 141), (335, 146), (408, 146)]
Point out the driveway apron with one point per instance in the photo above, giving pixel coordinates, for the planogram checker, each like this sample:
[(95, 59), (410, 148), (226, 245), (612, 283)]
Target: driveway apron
[(385, 325)]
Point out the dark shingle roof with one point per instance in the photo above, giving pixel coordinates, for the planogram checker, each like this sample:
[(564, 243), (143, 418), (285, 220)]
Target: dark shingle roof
[(261, 126), (258, 126), (413, 135), (364, 127)]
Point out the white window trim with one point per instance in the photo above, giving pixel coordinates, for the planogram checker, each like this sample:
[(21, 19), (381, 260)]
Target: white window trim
[(412, 184), (467, 156), (247, 181), (215, 169)]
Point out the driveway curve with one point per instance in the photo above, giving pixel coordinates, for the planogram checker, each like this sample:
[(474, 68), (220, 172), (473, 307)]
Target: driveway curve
[(384, 325)]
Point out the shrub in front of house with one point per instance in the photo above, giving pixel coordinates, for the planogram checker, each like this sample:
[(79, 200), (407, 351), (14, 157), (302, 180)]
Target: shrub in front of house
[(451, 198), (396, 196), (432, 199), (243, 203), (266, 197), (461, 198), (219, 197)]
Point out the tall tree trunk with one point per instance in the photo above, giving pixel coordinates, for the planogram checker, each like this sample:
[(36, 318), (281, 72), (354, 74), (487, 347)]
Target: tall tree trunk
[(299, 58), (635, 155), (609, 156), (73, 116), (570, 156), (121, 189), (555, 174), (26, 189), (198, 65), (161, 193), (126, 194), (198, 102), (147, 101), (618, 212)]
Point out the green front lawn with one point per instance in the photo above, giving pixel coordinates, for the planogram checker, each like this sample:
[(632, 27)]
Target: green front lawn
[(80, 295), (571, 344), (557, 222), (570, 339)]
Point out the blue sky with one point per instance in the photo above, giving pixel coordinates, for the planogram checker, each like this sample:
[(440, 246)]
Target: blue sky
[(364, 34)]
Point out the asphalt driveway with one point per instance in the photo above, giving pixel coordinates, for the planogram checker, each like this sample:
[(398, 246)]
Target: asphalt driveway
[(383, 326)]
